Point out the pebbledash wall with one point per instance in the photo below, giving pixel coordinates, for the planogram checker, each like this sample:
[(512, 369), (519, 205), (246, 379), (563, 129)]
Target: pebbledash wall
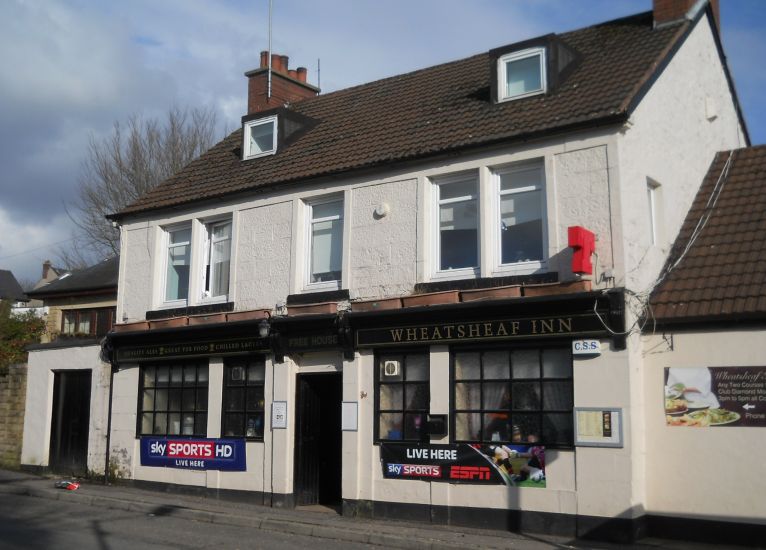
[(43, 364), (596, 179)]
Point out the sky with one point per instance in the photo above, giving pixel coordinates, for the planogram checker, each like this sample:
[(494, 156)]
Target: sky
[(70, 69)]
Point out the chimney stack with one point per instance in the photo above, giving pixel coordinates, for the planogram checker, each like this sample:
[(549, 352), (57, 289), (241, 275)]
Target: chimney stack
[(46, 268), (287, 85), (672, 11)]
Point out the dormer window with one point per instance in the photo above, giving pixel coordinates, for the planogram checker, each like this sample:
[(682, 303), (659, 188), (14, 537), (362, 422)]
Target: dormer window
[(521, 74), (260, 137)]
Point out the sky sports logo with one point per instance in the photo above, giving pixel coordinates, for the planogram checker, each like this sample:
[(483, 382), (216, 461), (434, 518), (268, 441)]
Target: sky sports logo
[(191, 449), (414, 470)]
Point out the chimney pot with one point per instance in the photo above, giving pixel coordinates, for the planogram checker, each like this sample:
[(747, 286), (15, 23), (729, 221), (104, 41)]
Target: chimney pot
[(264, 59), (287, 85), (276, 62)]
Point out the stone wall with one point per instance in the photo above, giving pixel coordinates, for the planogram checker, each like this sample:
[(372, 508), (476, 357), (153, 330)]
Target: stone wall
[(13, 391)]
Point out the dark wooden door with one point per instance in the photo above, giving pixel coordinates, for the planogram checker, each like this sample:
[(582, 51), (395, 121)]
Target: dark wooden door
[(69, 424), (318, 439)]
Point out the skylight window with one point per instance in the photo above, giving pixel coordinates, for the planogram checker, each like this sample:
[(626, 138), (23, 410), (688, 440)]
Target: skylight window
[(521, 74), (260, 137)]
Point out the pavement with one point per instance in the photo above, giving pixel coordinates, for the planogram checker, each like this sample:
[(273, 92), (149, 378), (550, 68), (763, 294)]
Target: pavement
[(319, 522)]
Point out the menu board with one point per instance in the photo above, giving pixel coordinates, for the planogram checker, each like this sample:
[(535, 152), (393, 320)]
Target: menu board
[(715, 396), (598, 427)]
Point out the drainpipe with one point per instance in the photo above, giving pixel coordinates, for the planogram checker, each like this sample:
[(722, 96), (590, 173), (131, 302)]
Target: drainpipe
[(108, 353)]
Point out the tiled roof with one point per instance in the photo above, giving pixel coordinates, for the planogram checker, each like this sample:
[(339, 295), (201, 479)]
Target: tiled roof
[(441, 109), (723, 274), (10, 289), (101, 276)]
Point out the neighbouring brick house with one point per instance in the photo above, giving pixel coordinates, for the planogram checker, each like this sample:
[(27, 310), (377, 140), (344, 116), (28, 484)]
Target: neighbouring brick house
[(68, 383), (411, 259)]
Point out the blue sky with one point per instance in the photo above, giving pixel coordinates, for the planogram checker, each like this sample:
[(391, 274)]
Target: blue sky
[(70, 69)]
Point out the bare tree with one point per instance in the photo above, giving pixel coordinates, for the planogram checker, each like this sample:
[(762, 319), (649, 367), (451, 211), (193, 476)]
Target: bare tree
[(127, 164)]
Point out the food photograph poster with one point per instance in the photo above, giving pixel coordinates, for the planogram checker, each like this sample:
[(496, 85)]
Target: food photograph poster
[(715, 396)]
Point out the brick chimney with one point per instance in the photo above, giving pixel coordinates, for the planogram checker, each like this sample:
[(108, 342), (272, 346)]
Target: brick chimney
[(46, 268), (287, 85), (671, 11)]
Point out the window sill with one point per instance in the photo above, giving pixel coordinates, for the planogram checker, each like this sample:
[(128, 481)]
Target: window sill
[(336, 295), (486, 282), (520, 268), (222, 307), (455, 274)]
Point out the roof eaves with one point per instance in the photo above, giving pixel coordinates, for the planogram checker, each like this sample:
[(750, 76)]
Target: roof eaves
[(606, 120)]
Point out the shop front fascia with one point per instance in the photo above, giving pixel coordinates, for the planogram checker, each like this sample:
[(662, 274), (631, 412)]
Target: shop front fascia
[(455, 398)]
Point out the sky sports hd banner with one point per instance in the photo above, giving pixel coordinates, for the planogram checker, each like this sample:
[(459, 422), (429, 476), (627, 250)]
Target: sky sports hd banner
[(517, 465), (194, 454)]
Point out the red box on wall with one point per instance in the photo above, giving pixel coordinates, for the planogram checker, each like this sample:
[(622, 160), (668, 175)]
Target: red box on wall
[(583, 243)]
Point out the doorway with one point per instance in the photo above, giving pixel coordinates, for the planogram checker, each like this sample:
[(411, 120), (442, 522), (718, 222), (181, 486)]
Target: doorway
[(69, 422), (318, 439)]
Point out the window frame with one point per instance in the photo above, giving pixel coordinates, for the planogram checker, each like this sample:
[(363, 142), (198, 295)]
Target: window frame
[(207, 259), (436, 182), (167, 230), (523, 267), (246, 360), (308, 207), (248, 127), (93, 314), (402, 354), (540, 411), (653, 190), (502, 73), (198, 364)]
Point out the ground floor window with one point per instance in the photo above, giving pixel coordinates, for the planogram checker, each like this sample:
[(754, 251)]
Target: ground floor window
[(173, 399), (516, 395), (402, 396), (243, 397)]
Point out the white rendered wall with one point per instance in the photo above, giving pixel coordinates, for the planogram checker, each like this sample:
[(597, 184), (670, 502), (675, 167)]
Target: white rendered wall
[(671, 140), (39, 402), (714, 473), (383, 255)]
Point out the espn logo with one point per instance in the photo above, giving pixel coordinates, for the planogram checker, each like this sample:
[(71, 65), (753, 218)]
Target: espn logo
[(469, 472)]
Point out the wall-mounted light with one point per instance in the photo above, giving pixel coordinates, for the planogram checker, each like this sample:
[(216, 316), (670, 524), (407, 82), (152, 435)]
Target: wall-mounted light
[(264, 327)]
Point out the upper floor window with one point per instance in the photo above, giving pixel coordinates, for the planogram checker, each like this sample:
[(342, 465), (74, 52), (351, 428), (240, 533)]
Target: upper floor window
[(178, 262), (325, 244), (87, 322), (260, 137), (202, 248), (521, 214), (457, 237), (521, 74), (217, 259), (511, 228)]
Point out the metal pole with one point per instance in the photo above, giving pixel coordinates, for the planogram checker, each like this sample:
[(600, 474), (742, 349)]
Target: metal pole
[(112, 368), (268, 87)]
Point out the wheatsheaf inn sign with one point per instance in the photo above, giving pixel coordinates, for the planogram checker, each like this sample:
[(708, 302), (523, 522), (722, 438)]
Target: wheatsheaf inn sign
[(526, 327)]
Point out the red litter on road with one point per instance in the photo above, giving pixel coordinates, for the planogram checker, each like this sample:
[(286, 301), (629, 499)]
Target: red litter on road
[(68, 485)]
